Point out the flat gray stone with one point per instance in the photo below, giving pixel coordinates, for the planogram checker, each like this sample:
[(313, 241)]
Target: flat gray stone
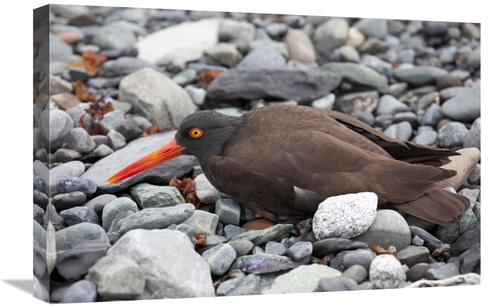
[(156, 218), (103, 169)]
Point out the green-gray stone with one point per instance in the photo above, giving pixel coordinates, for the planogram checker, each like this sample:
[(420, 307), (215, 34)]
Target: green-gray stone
[(359, 75), (153, 196), (419, 75), (203, 222), (156, 218), (114, 207), (81, 233), (220, 258), (304, 278)]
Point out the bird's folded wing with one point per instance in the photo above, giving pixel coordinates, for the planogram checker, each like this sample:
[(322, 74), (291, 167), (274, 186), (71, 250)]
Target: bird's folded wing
[(319, 162), (402, 150)]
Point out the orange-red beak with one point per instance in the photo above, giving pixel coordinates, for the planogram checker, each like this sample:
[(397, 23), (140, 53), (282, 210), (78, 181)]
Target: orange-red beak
[(168, 151)]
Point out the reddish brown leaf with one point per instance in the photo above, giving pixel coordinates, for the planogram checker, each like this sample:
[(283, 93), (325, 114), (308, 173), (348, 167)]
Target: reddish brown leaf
[(91, 61), (207, 77), (80, 91), (200, 238), (187, 189), (381, 250)]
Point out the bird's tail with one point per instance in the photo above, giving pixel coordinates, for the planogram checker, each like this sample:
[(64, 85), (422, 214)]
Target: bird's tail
[(438, 206)]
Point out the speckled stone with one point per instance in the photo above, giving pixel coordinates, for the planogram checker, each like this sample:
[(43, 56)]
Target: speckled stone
[(386, 272), (345, 216)]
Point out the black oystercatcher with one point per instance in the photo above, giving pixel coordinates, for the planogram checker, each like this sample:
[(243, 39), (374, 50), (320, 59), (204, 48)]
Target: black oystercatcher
[(282, 161)]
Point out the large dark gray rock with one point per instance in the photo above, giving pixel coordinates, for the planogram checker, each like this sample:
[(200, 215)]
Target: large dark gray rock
[(288, 84)]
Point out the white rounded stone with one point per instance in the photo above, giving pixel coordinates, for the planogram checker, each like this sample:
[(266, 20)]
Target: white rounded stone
[(345, 216)]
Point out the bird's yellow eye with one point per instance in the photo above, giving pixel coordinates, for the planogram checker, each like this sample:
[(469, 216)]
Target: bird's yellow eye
[(196, 132)]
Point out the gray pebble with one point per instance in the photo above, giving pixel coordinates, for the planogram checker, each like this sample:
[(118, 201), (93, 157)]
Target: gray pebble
[(220, 258), (82, 291), (66, 155), (412, 255), (262, 58), (116, 140), (81, 233), (391, 105), (356, 272), (153, 196), (231, 231), (228, 211), (78, 214), (68, 184), (402, 131), (112, 120), (242, 247), (387, 222), (451, 134), (40, 199), (442, 272), (68, 200), (472, 138), (362, 257), (328, 284), (38, 213), (275, 248), (432, 116), (300, 252)]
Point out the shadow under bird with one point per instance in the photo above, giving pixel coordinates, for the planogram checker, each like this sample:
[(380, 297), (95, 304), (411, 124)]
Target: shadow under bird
[(282, 161)]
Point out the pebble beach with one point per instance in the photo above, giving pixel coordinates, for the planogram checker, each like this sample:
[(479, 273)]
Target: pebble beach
[(120, 81)]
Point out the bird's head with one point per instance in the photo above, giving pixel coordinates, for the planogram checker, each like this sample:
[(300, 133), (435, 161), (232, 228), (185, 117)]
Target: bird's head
[(202, 134)]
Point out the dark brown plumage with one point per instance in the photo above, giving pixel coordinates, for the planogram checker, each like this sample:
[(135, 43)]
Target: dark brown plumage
[(282, 161)]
